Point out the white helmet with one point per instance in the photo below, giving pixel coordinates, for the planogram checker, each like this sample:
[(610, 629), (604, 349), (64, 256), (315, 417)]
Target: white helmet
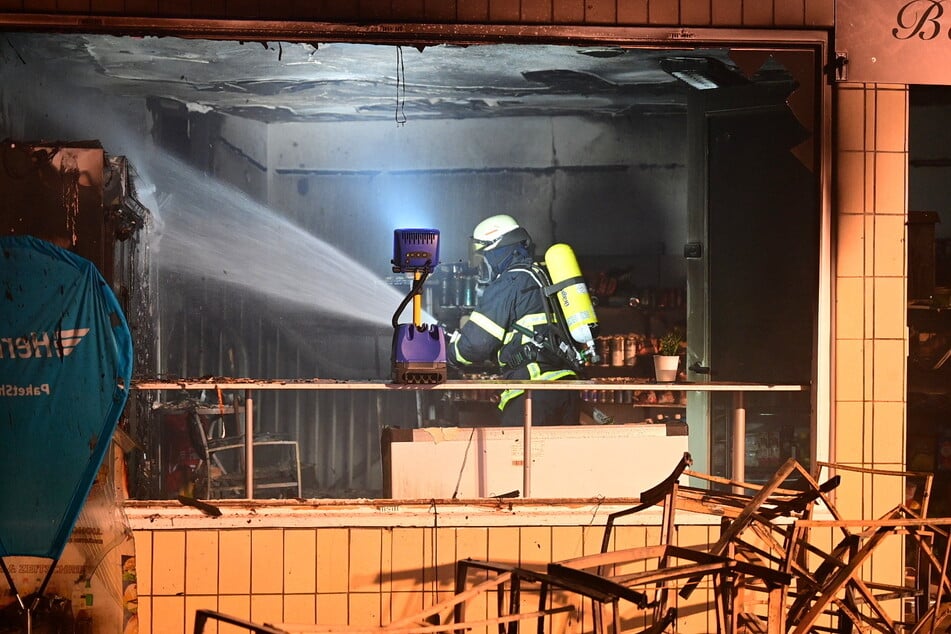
[(488, 237), (489, 233)]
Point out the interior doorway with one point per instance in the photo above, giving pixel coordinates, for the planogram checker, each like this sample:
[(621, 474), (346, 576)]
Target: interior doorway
[(929, 288)]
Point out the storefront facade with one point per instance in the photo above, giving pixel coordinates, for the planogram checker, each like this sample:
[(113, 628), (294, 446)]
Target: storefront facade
[(370, 563)]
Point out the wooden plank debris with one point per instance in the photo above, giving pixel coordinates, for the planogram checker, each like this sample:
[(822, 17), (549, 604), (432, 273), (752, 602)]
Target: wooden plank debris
[(762, 574)]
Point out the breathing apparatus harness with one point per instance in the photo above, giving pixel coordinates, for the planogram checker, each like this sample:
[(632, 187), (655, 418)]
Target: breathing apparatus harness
[(558, 342)]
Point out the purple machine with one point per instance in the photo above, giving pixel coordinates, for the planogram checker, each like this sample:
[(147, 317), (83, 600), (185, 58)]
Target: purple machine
[(419, 350)]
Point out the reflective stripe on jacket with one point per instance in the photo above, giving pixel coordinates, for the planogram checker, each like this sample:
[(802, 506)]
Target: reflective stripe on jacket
[(515, 297)]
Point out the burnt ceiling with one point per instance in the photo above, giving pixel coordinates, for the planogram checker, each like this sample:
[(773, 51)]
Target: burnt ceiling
[(281, 81)]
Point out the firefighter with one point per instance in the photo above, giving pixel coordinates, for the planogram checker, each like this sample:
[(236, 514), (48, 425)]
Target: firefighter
[(510, 324)]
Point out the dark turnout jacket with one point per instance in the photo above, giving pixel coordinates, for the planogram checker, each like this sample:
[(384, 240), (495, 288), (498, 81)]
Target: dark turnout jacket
[(514, 297)]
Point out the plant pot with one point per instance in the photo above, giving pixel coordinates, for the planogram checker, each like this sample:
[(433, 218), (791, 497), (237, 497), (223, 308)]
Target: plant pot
[(665, 368)]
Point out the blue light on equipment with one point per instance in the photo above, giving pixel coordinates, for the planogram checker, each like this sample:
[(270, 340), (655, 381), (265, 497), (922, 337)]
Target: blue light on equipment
[(419, 350)]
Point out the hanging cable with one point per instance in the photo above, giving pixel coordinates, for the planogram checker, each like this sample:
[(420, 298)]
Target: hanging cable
[(462, 469), (416, 289), (594, 516), (400, 87)]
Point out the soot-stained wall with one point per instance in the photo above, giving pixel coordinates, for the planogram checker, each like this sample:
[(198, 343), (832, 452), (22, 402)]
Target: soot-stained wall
[(613, 188)]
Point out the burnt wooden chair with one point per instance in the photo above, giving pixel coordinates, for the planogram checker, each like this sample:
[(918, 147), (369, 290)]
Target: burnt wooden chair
[(508, 602), (756, 528)]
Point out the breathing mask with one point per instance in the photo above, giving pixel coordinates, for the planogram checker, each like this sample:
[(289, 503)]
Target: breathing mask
[(496, 241), (490, 264)]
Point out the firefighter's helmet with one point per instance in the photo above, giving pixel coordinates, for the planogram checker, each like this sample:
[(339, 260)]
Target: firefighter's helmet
[(495, 242), (498, 231)]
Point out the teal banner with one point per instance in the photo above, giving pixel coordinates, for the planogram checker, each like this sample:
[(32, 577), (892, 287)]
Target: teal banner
[(65, 373)]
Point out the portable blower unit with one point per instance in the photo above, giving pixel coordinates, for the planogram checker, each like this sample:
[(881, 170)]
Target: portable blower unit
[(419, 350)]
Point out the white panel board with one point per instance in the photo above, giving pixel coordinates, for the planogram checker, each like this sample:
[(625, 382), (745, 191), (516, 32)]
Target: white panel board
[(567, 461)]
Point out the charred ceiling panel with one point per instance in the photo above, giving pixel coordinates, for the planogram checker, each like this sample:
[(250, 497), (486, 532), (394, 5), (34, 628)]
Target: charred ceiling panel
[(341, 81)]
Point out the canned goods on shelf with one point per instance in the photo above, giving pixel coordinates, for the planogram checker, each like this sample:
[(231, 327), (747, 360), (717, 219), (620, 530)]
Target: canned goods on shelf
[(617, 350), (631, 346), (603, 345)]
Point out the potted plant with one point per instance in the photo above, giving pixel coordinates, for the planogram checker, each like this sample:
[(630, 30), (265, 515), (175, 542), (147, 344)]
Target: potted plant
[(667, 356)]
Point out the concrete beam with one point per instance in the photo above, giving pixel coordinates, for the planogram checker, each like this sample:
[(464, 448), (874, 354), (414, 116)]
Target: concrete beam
[(522, 143)]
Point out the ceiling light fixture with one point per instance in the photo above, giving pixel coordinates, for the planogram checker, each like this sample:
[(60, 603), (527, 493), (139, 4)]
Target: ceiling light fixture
[(695, 79), (602, 51), (696, 72)]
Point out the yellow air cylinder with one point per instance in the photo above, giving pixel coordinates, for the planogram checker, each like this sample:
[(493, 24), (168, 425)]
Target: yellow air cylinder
[(573, 297)]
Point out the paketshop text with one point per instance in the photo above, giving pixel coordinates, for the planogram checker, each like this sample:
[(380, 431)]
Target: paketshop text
[(42, 389)]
